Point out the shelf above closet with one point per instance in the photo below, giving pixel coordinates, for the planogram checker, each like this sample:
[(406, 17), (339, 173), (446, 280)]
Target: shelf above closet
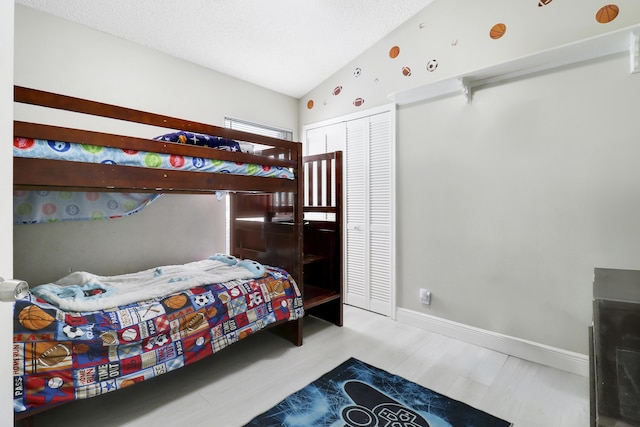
[(627, 39)]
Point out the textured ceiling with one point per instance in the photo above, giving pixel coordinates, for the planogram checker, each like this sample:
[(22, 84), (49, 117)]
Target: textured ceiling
[(289, 46)]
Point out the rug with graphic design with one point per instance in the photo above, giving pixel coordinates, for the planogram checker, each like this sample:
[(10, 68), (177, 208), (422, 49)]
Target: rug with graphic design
[(356, 394)]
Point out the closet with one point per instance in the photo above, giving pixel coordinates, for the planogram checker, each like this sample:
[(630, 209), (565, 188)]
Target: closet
[(368, 142)]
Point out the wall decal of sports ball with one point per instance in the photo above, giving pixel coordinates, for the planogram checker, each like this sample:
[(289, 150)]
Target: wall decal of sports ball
[(337, 90), (406, 71), (358, 102), (310, 104), (394, 52), (357, 72), (497, 31), (432, 65), (607, 13), (544, 2)]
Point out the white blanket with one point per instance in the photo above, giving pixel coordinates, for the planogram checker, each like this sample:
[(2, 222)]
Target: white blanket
[(82, 291)]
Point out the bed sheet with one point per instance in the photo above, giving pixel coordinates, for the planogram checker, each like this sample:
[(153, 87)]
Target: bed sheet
[(58, 150), (62, 356), (31, 207)]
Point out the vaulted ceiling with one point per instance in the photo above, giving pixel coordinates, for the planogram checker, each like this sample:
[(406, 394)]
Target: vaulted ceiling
[(289, 46)]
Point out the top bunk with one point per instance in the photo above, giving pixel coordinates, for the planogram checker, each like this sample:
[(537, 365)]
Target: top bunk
[(274, 165)]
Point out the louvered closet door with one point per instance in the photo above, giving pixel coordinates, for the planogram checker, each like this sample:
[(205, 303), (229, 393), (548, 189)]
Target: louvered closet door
[(381, 246), (357, 202), (370, 246)]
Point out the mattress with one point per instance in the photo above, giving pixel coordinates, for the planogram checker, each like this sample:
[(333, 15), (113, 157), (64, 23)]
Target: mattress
[(46, 206)]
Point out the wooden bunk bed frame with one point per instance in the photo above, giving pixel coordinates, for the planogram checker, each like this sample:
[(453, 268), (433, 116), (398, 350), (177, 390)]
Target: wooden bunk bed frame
[(277, 243), (323, 236)]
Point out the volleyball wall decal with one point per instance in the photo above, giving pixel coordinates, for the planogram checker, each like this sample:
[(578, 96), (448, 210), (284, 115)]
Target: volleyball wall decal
[(310, 104), (497, 31), (406, 71), (394, 52), (607, 13), (544, 2)]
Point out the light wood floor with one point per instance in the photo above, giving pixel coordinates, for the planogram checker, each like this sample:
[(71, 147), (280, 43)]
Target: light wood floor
[(231, 387)]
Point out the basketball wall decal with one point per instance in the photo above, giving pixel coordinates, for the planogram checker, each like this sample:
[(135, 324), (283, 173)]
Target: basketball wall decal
[(394, 52), (607, 13), (34, 318), (498, 31), (544, 2), (310, 104), (406, 71)]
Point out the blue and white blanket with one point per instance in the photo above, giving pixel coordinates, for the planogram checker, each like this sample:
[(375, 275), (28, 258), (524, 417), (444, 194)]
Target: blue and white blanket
[(82, 291)]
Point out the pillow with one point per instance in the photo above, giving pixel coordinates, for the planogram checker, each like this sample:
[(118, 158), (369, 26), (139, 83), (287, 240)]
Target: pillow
[(202, 140)]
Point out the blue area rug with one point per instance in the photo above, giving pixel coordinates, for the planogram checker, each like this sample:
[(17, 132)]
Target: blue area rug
[(356, 394)]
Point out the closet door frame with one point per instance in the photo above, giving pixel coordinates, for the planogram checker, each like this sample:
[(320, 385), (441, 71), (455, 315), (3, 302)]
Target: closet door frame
[(387, 108)]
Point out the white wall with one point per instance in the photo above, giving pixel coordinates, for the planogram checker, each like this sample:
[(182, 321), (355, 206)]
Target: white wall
[(60, 56), (506, 205), (6, 177)]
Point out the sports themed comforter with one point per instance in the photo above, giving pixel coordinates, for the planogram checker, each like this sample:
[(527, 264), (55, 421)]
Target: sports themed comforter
[(60, 356)]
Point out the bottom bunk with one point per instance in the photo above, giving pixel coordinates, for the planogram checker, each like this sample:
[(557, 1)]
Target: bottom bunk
[(62, 353)]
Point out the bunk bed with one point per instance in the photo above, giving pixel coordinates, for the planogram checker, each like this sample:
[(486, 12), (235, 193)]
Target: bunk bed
[(322, 231), (177, 328), (323, 236)]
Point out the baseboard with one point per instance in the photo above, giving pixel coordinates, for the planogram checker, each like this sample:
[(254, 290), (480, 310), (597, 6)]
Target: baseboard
[(575, 363)]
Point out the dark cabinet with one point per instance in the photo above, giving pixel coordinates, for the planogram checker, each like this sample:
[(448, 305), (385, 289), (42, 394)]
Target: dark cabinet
[(615, 348)]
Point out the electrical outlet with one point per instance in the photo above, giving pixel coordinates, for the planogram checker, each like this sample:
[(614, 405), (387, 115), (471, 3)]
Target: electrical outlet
[(425, 296)]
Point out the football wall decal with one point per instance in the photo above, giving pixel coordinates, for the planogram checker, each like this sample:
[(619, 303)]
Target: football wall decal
[(497, 31)]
